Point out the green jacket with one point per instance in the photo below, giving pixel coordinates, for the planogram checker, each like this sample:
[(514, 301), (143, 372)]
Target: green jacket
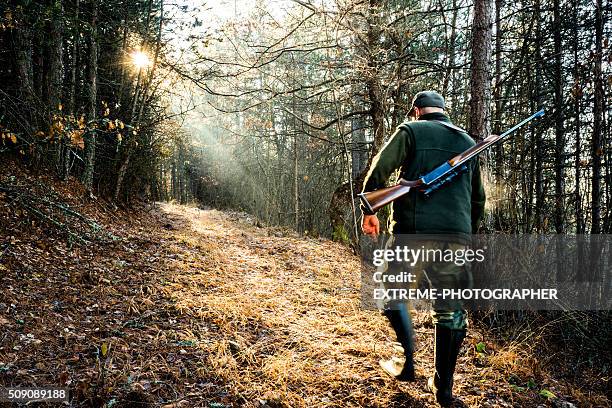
[(415, 149)]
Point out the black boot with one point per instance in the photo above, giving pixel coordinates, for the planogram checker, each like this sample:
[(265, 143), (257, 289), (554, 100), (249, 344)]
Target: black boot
[(448, 344), (399, 317)]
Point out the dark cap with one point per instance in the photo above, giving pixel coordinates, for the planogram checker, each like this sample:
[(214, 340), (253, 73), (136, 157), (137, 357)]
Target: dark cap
[(427, 99)]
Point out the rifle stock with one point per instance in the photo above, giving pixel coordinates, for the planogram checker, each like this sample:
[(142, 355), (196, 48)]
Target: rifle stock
[(441, 175), (375, 200)]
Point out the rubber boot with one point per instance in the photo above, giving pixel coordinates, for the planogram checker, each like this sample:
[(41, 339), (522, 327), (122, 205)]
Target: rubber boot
[(399, 318), (448, 344)]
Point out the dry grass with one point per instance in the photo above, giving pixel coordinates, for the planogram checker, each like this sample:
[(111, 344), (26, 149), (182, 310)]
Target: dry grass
[(288, 311)]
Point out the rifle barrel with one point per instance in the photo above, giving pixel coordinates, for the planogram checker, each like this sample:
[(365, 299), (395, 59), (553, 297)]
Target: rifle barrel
[(479, 148), (522, 123)]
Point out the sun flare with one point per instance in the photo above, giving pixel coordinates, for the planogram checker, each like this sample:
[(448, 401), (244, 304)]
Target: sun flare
[(140, 59)]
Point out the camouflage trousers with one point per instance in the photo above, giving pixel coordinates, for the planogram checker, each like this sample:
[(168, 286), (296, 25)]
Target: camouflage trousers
[(432, 274)]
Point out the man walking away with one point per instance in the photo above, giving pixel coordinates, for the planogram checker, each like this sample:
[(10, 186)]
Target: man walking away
[(416, 148)]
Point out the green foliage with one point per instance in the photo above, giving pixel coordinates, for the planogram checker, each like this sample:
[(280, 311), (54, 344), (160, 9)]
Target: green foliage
[(340, 234), (531, 384), (547, 394)]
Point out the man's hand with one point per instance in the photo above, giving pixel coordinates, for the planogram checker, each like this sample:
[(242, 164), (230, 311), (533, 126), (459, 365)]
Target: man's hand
[(370, 225)]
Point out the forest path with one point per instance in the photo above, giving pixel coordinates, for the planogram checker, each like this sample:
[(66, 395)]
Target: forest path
[(202, 308), (283, 324)]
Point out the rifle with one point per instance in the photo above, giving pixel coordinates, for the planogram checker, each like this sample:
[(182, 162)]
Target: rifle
[(438, 177)]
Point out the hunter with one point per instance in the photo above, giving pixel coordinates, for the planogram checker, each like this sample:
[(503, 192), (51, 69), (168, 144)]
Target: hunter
[(416, 148)]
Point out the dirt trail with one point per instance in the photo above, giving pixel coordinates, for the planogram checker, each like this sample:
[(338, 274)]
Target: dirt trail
[(288, 329), (202, 308)]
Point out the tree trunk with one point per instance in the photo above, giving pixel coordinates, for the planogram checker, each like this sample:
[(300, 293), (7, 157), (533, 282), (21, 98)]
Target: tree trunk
[(72, 109), (173, 182), (559, 129), (337, 213), (65, 149), (539, 155), (498, 212), (358, 152), (121, 173), (598, 109), (55, 65), (480, 83), (559, 209), (54, 83), (24, 66), (296, 191), (92, 73), (577, 94), (451, 49), (39, 64), (578, 210)]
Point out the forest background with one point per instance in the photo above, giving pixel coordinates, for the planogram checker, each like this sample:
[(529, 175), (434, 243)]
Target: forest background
[(276, 108)]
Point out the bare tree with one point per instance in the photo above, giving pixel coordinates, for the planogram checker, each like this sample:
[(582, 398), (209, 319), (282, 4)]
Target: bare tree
[(92, 77), (598, 109)]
